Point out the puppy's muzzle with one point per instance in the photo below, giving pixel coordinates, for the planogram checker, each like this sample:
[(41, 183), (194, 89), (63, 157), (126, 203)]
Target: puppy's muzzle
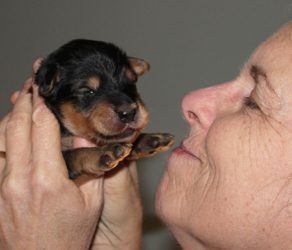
[(127, 113)]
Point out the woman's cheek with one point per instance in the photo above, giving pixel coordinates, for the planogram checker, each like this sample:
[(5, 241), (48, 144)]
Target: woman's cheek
[(245, 152), (235, 146), (228, 139), (239, 136)]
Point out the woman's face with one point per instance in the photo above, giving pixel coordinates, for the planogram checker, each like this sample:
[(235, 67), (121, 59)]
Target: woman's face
[(228, 185)]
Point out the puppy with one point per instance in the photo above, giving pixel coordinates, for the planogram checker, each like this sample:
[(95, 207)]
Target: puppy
[(90, 86)]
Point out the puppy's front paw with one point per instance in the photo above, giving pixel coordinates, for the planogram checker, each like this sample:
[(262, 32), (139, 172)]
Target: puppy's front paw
[(112, 155), (149, 144), (95, 160)]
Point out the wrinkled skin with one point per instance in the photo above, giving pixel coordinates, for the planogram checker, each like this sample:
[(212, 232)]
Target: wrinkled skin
[(229, 185)]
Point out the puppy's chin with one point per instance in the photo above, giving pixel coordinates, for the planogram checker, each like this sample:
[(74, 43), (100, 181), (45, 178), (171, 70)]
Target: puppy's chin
[(127, 136)]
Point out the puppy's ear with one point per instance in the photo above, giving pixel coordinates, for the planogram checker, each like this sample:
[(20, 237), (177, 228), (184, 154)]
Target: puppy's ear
[(46, 78), (139, 66)]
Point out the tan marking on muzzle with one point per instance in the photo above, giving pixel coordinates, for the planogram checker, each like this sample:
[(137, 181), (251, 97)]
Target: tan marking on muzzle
[(105, 120)]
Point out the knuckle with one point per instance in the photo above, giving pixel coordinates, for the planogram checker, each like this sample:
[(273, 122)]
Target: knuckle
[(12, 188), (44, 182), (41, 182)]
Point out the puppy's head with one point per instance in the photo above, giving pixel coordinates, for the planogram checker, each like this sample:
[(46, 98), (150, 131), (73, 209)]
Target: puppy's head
[(91, 88)]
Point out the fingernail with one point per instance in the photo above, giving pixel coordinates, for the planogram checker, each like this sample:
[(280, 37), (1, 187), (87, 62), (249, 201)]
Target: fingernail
[(40, 108)]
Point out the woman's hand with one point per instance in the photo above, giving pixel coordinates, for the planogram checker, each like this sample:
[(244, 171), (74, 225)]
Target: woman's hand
[(40, 208)]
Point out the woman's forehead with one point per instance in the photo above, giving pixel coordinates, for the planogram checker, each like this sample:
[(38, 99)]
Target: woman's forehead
[(276, 50), (273, 58)]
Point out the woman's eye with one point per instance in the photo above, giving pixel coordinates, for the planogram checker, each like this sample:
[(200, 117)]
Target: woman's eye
[(250, 103)]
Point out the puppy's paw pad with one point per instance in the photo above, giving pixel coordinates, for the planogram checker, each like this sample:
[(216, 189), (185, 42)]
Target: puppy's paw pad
[(153, 141), (105, 160), (167, 140), (114, 154), (121, 150), (150, 144), (159, 141)]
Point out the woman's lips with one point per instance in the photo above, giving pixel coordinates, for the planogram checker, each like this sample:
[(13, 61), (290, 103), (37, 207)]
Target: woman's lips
[(182, 150)]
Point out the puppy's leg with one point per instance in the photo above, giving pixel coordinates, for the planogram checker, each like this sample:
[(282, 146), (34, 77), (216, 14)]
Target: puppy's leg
[(95, 160), (150, 144)]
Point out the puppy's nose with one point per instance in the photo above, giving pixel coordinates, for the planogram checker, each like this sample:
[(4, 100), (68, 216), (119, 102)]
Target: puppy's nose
[(127, 114)]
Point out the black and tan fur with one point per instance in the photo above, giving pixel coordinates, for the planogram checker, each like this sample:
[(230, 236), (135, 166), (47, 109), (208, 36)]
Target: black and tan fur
[(91, 88)]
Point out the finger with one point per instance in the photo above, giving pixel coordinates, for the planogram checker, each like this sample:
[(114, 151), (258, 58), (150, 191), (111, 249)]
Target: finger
[(46, 139), (18, 133), (3, 125), (26, 86), (36, 65), (14, 97)]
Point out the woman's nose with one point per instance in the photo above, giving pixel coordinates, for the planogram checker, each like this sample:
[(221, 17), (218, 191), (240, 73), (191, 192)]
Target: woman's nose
[(203, 106)]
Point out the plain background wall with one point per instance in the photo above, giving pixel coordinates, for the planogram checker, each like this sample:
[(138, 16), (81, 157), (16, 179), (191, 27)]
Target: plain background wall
[(189, 44)]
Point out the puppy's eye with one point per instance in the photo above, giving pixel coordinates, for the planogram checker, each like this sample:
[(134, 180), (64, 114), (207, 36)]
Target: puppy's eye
[(250, 103), (87, 91)]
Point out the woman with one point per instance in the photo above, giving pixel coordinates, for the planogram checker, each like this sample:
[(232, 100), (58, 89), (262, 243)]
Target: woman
[(226, 187)]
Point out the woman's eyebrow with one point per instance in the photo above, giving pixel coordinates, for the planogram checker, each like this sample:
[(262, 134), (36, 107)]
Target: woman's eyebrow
[(256, 72)]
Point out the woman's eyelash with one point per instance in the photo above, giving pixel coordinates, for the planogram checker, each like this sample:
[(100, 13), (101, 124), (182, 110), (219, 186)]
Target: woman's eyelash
[(249, 102)]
